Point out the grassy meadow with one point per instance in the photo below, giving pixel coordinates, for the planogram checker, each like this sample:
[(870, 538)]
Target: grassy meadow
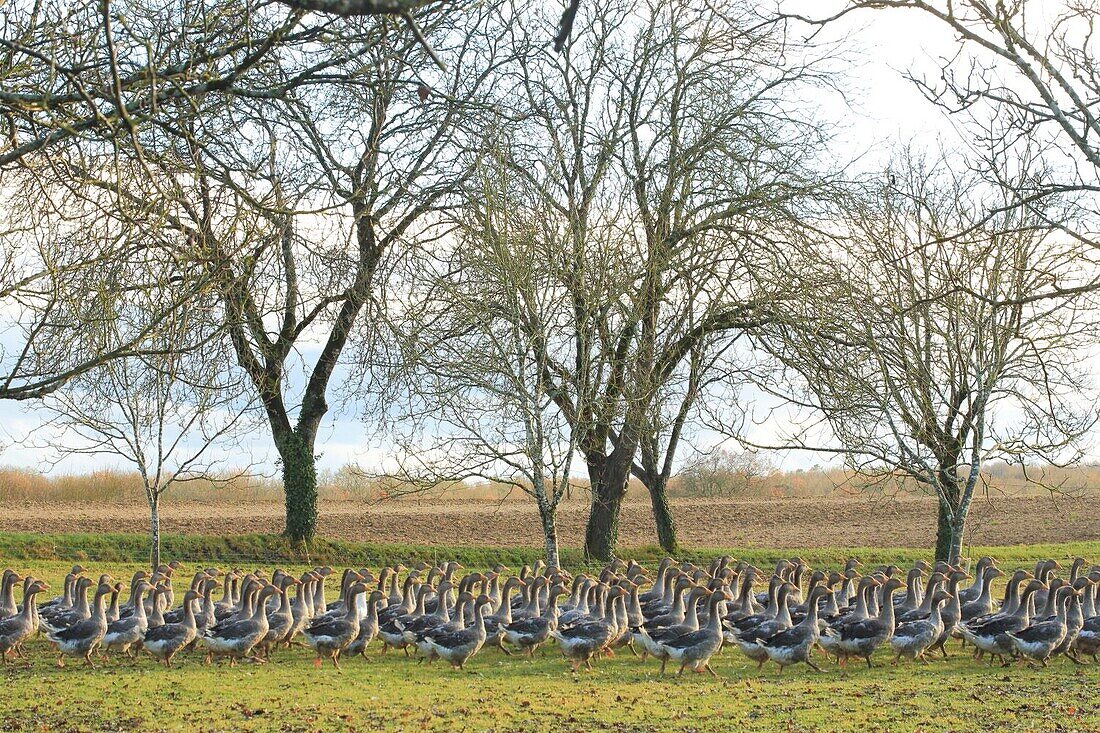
[(498, 693)]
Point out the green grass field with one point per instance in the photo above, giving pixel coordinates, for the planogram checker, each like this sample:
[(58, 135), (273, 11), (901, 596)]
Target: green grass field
[(508, 694)]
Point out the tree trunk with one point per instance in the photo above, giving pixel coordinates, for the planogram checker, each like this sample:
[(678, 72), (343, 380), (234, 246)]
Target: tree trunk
[(944, 534), (662, 514), (951, 520), (957, 531), (550, 535), (154, 531), (300, 486), (609, 477)]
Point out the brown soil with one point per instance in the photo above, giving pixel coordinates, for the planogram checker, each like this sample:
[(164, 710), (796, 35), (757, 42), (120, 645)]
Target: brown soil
[(818, 522)]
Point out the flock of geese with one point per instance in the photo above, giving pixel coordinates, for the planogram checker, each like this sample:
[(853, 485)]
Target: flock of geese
[(682, 614)]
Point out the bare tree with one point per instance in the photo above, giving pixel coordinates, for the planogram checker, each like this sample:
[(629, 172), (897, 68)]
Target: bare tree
[(473, 400), (676, 162), (285, 194), (173, 413), (919, 348), (1024, 78)]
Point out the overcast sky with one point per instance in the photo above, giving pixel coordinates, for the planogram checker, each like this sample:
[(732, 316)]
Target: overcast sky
[(882, 110)]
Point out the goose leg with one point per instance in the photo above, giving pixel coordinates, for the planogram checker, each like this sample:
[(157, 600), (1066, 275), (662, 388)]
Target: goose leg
[(809, 662)]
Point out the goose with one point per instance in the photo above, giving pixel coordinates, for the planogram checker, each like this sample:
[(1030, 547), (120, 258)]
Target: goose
[(912, 598), (696, 648), (859, 611), (406, 598), (154, 607), (848, 581), (198, 584), (281, 619), (82, 638), (392, 631), (1010, 601), (744, 604), (983, 604), (579, 643), (794, 645), (127, 609), (300, 609), (16, 629), (162, 577), (951, 611), (798, 610), (165, 641), (127, 632), (227, 606), (7, 593), (412, 627), (1044, 571), (368, 626), (496, 622), (652, 605), (861, 638), (1075, 618), (924, 610), (1088, 638), (458, 646), (782, 568), (527, 634), (65, 600), (990, 635), (577, 587), (400, 597), (913, 638), (974, 591), (235, 639), (58, 617), (329, 636), (1039, 640), (745, 623), (746, 639), (650, 640), (655, 592), (417, 630)]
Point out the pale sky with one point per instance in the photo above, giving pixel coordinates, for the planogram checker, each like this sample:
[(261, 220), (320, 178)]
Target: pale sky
[(885, 110)]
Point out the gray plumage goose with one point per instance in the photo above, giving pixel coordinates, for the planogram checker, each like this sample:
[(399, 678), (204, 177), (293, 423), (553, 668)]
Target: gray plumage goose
[(127, 633), (280, 620), (330, 636), (862, 638), (82, 638), (368, 626), (695, 649), (1038, 640), (651, 640), (990, 635), (579, 643), (165, 641), (65, 600), (527, 634), (746, 638), (924, 610), (794, 645), (235, 639), (972, 592), (913, 638), (16, 629), (7, 593), (456, 647), (58, 617)]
